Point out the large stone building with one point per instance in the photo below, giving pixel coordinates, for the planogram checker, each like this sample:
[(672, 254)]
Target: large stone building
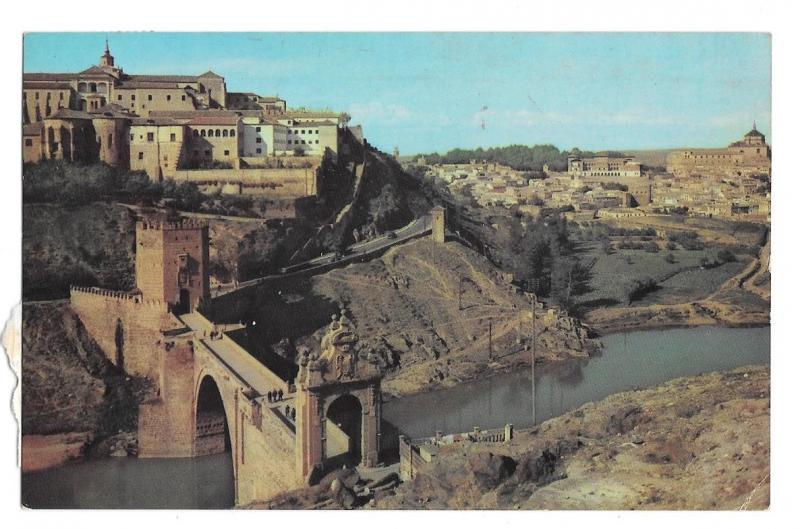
[(749, 156), (604, 165), (161, 124)]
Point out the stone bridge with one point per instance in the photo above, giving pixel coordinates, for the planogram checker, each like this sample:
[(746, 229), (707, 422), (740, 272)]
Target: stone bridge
[(284, 423)]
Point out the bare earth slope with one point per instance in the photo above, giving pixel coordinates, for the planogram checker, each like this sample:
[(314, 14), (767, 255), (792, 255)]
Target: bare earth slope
[(406, 306)]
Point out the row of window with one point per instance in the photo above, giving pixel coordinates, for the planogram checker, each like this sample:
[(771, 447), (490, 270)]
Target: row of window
[(303, 131), (149, 97), (207, 152), (60, 96), (215, 133)]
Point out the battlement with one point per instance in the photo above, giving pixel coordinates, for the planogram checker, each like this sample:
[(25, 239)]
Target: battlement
[(183, 224), (118, 295)]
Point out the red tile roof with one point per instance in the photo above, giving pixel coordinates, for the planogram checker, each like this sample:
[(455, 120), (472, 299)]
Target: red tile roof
[(45, 85), (48, 76)]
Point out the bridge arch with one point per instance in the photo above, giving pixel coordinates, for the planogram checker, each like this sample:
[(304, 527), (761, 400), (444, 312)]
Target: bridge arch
[(212, 418), (344, 431)]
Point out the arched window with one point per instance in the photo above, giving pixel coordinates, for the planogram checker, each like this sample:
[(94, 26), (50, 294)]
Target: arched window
[(93, 87), (81, 87), (195, 132), (210, 133), (203, 133), (217, 133), (225, 133), (233, 133)]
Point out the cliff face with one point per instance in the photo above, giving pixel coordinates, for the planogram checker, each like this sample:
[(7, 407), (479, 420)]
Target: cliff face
[(362, 195)]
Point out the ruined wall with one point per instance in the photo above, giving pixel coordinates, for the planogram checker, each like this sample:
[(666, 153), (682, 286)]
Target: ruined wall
[(141, 321), (167, 424), (279, 183)]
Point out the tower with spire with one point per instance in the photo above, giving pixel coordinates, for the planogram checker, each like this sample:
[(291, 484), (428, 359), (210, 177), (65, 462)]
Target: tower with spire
[(107, 60)]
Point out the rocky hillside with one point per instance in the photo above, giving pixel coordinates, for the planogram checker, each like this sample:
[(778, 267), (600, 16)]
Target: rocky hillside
[(365, 193), (692, 443)]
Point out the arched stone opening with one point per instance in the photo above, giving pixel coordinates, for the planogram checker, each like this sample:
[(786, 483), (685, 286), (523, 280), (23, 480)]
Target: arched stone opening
[(212, 435), (344, 432)]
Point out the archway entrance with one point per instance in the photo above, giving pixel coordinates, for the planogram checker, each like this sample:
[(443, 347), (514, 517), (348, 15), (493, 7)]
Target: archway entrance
[(183, 303), (212, 435), (343, 432)]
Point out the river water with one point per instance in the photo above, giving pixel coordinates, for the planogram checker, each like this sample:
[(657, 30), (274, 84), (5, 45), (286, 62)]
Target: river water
[(629, 360)]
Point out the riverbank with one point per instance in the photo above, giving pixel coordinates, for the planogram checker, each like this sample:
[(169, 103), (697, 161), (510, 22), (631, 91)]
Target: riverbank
[(40, 452), (698, 443), (693, 443)]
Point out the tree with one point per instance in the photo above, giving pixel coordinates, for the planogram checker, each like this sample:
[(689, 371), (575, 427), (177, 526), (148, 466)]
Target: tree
[(670, 258), (726, 256)]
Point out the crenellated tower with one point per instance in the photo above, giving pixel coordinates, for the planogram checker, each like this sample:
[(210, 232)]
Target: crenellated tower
[(172, 263)]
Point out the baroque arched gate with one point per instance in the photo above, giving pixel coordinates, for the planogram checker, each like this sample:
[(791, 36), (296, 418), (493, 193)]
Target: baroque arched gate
[(338, 404)]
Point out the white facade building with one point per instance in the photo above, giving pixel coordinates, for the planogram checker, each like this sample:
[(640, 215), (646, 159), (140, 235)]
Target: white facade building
[(263, 138)]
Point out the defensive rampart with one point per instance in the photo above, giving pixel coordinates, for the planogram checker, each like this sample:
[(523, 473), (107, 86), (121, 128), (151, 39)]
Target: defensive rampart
[(127, 327)]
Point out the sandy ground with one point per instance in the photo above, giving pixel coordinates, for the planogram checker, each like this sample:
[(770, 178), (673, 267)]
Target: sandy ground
[(44, 451)]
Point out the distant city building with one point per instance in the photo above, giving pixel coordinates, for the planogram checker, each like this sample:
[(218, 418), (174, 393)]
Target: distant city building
[(749, 156), (603, 166)]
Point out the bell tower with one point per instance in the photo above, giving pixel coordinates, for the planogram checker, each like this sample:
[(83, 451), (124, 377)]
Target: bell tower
[(107, 60)]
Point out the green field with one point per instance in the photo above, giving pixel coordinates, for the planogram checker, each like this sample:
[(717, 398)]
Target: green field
[(678, 282)]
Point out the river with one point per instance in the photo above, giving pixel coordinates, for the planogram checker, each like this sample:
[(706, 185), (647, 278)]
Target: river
[(628, 360)]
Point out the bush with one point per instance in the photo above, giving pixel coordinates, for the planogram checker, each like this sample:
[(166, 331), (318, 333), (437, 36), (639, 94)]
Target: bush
[(726, 256), (670, 258), (651, 247)]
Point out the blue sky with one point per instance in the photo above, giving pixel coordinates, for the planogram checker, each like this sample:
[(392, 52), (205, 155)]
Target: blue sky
[(426, 92)]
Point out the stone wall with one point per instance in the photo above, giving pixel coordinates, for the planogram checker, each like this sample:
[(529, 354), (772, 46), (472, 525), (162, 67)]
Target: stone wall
[(141, 321), (266, 464), (167, 424)]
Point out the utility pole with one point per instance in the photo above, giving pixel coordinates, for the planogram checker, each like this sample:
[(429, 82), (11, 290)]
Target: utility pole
[(533, 358), (491, 355)]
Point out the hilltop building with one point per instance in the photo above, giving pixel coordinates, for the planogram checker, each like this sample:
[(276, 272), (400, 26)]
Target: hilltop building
[(747, 157), (603, 165), (163, 124)]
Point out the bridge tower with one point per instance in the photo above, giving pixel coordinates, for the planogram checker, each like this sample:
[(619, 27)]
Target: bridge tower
[(172, 262), (338, 404), (437, 224)]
